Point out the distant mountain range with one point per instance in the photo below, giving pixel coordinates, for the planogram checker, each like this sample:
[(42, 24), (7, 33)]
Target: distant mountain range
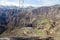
[(8, 7), (29, 7), (14, 7)]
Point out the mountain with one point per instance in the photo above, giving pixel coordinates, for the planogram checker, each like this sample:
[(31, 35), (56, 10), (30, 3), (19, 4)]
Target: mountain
[(46, 9), (8, 7), (40, 20)]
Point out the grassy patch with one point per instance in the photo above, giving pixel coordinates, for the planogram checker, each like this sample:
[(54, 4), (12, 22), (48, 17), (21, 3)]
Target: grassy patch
[(44, 20), (39, 32)]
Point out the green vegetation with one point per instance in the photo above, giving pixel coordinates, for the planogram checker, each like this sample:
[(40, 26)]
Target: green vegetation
[(45, 21), (40, 32)]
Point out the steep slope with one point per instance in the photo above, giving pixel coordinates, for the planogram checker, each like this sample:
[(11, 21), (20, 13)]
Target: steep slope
[(42, 21)]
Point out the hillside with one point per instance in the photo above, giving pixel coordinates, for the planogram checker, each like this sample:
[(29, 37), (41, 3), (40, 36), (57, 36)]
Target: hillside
[(30, 22)]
